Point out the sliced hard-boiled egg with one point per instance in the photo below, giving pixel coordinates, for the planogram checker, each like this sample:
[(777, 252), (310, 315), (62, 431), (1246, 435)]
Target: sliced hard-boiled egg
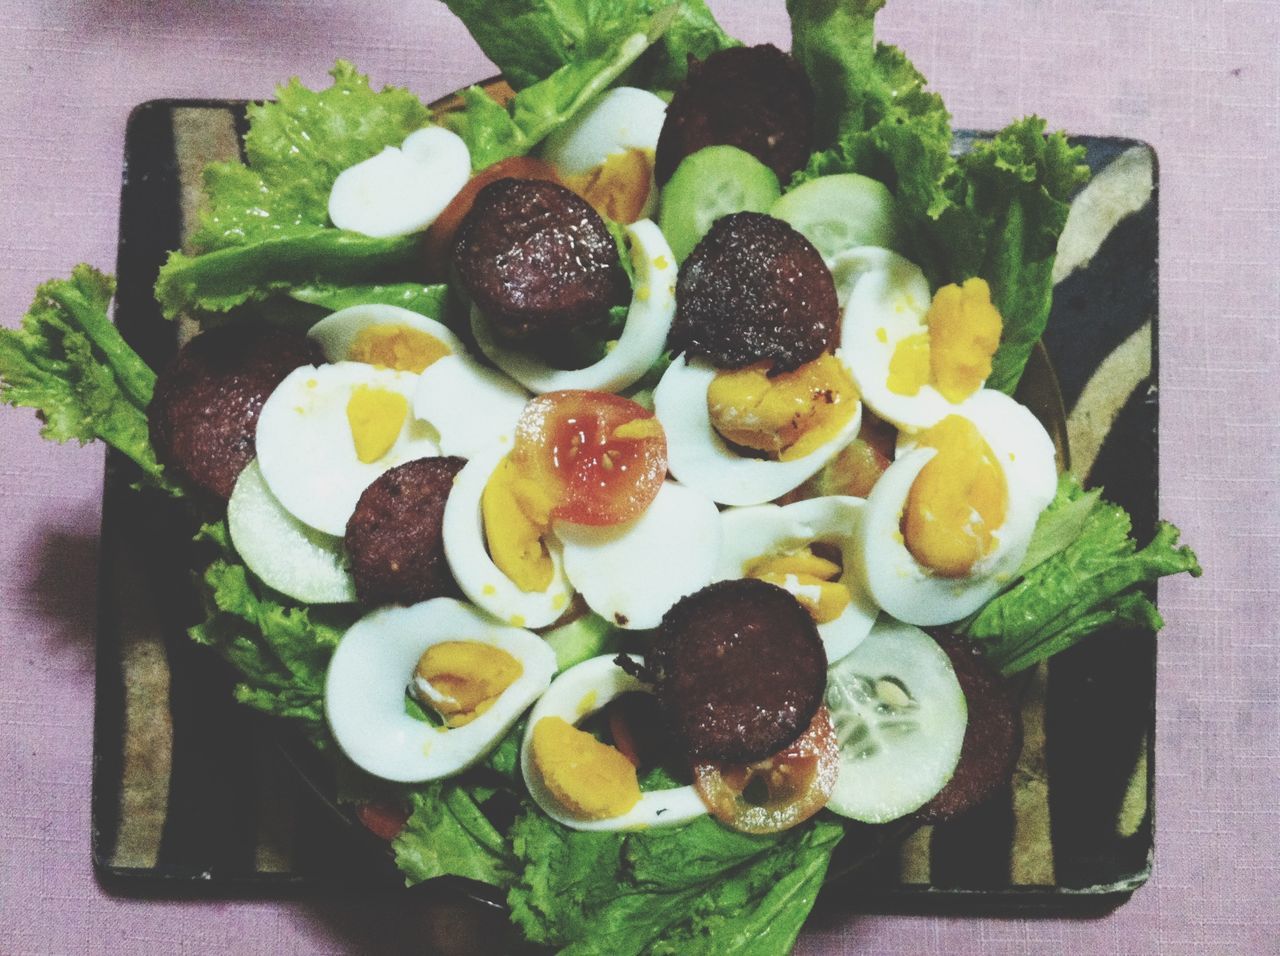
[(605, 153), (383, 654), (401, 190), (466, 547), (327, 432), (289, 556), (915, 356), (702, 459), (776, 543), (565, 775), (631, 573), (643, 339), (384, 335), (472, 407), (935, 546)]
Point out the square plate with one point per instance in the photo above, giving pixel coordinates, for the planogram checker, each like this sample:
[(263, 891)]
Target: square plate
[(196, 792)]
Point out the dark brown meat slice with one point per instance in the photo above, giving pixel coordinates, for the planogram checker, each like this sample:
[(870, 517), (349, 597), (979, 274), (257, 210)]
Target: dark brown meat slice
[(755, 289), (394, 538), (756, 98), (205, 409), (992, 739), (740, 670), (537, 260)]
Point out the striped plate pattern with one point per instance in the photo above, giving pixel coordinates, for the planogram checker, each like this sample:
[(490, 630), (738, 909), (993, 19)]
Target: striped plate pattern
[(192, 790)]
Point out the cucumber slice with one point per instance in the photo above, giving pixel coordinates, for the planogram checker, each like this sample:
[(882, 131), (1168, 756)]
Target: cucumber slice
[(582, 638), (837, 213), (708, 184), (900, 717)]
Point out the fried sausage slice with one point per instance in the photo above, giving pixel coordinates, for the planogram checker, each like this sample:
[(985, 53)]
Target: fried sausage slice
[(739, 671), (756, 98), (755, 289), (394, 540), (992, 739), (537, 260), (204, 411)]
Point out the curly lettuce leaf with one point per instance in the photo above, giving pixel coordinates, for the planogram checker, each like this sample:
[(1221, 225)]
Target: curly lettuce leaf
[(70, 363), (699, 888), (994, 212), (429, 300), (529, 40), (493, 132), (1084, 572), (447, 834), (280, 649)]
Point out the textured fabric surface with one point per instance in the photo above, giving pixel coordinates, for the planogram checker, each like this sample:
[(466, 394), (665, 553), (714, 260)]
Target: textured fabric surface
[(1196, 79)]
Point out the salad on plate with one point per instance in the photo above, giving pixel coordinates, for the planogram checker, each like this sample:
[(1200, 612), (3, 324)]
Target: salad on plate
[(619, 479)]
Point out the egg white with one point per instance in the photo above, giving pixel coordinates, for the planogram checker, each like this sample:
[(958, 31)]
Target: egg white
[(888, 298), (762, 530), (306, 450), (632, 573), (401, 190), (471, 407), (336, 332), (643, 339), (466, 551), (701, 459), (577, 693), (298, 561), (910, 591), (374, 663)]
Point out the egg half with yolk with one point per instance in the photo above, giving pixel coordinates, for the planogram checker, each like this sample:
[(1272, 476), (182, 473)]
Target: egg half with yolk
[(477, 675), (948, 524)]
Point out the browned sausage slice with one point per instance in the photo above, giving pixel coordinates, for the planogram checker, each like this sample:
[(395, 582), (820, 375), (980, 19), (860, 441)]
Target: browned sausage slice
[(204, 411), (394, 539), (755, 289), (537, 260), (992, 739), (756, 98), (740, 670)]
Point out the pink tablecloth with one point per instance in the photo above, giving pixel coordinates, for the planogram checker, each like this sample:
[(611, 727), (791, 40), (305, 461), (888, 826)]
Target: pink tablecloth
[(1196, 78)]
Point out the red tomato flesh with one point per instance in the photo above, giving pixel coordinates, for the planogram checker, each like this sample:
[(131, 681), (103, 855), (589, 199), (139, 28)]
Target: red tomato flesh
[(383, 819), (603, 456), (779, 792)]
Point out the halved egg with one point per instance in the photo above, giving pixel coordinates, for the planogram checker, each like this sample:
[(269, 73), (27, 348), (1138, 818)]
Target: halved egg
[(543, 595), (934, 546), (631, 573), (700, 457), (915, 355), (605, 153), (643, 339), (387, 336), (386, 652), (776, 544), (579, 781), (472, 407), (287, 555), (328, 431), (401, 190)]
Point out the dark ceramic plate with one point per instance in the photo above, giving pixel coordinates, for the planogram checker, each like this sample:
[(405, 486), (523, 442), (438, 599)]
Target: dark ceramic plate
[(193, 793)]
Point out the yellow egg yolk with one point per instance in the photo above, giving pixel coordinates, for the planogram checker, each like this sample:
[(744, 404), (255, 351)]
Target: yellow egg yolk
[(396, 346), (812, 579), (466, 677), (517, 515), (376, 416), (590, 779), (787, 416), (954, 355), (959, 498), (617, 188)]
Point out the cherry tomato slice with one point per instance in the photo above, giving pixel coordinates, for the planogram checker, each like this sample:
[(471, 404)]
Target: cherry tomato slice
[(778, 792), (383, 819), (604, 456), (439, 239)]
